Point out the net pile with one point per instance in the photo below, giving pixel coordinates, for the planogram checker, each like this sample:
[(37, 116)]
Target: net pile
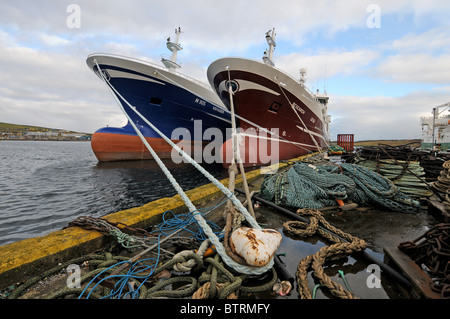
[(314, 187), (408, 176)]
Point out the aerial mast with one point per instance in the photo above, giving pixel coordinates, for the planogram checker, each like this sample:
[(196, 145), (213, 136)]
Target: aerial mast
[(174, 47), (268, 54)]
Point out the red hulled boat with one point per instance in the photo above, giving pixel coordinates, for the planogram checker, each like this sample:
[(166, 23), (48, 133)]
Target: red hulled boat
[(265, 99)]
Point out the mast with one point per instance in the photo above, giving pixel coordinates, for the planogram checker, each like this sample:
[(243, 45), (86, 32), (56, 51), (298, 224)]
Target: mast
[(302, 77), (174, 47), (268, 55)]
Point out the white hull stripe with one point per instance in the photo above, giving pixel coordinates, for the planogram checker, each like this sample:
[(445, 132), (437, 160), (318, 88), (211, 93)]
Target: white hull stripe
[(247, 85), (275, 139), (127, 75), (310, 132)]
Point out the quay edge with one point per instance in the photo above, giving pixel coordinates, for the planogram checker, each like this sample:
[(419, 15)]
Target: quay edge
[(26, 258)]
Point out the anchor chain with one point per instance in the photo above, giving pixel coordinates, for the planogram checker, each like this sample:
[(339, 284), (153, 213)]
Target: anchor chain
[(432, 249)]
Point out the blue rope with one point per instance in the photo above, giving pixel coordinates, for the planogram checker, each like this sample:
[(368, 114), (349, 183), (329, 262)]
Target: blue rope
[(169, 225), (133, 273), (189, 223), (172, 223)]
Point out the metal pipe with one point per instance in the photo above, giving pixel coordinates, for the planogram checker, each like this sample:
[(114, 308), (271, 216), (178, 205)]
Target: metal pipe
[(282, 272), (385, 268)]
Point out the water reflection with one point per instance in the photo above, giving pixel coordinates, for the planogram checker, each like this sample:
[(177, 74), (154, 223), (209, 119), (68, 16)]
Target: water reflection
[(45, 185), (139, 182)]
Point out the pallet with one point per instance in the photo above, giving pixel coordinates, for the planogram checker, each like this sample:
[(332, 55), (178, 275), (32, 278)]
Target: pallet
[(420, 281)]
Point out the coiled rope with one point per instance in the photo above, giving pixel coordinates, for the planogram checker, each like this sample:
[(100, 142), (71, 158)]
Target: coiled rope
[(163, 231), (344, 244), (214, 282), (217, 282)]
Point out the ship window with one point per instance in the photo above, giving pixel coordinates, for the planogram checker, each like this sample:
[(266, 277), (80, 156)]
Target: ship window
[(275, 107), (155, 100)]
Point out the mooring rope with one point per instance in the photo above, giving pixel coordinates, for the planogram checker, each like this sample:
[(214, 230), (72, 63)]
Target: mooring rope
[(167, 228), (214, 239), (97, 282), (265, 130), (301, 120), (344, 244)]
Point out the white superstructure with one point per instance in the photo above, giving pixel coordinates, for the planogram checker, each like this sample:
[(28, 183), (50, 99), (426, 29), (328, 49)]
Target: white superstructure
[(436, 129)]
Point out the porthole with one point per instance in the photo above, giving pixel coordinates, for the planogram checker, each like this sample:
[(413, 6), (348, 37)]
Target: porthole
[(234, 86)]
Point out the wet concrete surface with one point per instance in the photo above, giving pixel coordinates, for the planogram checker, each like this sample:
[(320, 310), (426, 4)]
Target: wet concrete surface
[(381, 228), (378, 228)]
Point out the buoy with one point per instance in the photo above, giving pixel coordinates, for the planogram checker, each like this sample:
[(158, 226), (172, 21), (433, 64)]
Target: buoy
[(256, 246)]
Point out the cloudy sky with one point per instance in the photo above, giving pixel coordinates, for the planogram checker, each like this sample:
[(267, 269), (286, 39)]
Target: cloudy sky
[(383, 63)]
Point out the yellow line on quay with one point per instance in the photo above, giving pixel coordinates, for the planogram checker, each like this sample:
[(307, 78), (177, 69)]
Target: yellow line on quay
[(29, 257)]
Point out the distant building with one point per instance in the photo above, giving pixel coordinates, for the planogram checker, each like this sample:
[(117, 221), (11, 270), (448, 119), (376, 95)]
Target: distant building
[(47, 135)]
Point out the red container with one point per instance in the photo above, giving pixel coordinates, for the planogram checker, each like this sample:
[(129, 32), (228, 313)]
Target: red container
[(345, 141)]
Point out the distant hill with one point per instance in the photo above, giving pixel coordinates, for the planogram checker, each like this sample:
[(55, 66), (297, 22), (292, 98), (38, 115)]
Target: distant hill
[(9, 131), (394, 143), (411, 142), (9, 127)]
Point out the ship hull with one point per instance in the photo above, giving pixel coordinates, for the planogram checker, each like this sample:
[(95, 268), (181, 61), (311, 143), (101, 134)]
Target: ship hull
[(179, 107), (268, 98), (258, 151), (110, 147), (121, 144)]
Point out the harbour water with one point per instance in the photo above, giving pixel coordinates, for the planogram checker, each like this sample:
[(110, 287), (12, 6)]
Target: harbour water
[(46, 184)]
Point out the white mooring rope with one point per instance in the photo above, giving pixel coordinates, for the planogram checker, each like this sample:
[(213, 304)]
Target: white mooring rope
[(200, 220)]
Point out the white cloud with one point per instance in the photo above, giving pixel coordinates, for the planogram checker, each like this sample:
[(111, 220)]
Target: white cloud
[(327, 64), (52, 40), (44, 70), (127, 49), (53, 89), (383, 117), (430, 41), (415, 68)]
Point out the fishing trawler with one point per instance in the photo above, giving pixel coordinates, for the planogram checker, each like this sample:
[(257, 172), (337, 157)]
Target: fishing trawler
[(266, 100), (436, 129), (166, 98)]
